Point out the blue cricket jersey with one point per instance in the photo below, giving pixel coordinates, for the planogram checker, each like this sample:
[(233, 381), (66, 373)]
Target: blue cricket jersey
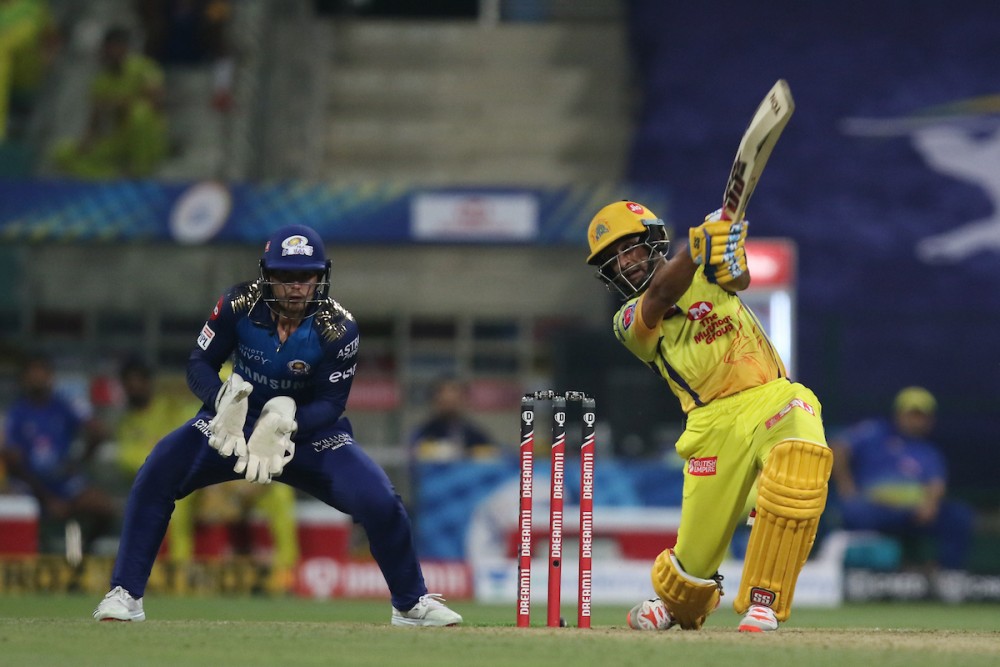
[(315, 366), (44, 435), (890, 468)]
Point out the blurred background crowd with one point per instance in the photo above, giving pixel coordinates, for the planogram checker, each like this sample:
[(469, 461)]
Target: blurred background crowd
[(337, 113)]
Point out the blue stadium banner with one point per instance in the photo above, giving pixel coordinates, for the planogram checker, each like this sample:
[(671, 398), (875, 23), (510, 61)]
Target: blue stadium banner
[(384, 212)]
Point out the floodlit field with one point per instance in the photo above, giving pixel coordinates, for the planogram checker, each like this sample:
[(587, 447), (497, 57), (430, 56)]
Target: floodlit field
[(37, 631)]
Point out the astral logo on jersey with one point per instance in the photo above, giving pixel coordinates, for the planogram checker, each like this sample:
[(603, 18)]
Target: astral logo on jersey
[(205, 337), (349, 350), (628, 315), (794, 403), (699, 310), (296, 245), (702, 467), (299, 367)]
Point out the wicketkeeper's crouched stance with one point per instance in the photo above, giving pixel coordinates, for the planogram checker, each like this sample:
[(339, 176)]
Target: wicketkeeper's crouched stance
[(746, 421), (280, 413)]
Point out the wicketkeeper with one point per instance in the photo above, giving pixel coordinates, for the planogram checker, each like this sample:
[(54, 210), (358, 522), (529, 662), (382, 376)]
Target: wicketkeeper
[(279, 416)]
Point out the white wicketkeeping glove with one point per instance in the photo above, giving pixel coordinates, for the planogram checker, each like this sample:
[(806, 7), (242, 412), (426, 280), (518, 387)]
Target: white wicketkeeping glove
[(226, 427), (270, 446)]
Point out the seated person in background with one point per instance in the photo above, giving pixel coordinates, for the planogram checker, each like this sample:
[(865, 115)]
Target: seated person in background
[(41, 432), (126, 133), (447, 434), (891, 479), (150, 413)]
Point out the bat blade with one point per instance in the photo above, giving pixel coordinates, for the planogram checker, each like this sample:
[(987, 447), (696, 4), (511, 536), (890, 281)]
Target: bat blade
[(758, 141)]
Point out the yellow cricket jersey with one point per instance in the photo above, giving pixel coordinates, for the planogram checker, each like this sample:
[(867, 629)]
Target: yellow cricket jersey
[(708, 346), (139, 430), (138, 75)]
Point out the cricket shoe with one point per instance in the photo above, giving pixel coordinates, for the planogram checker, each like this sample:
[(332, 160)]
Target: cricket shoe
[(759, 619), (650, 615), (429, 611), (118, 605)]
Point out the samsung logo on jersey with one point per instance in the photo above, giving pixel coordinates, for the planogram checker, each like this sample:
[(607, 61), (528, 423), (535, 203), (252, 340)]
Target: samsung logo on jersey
[(272, 383)]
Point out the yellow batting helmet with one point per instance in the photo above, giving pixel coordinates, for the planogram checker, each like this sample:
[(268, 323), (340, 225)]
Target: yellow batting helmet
[(616, 221)]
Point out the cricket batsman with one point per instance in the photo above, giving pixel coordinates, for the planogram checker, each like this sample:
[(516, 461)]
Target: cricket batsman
[(746, 421), (278, 417)]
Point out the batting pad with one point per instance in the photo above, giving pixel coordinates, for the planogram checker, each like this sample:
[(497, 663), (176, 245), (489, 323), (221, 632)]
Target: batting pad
[(791, 497), (689, 599)]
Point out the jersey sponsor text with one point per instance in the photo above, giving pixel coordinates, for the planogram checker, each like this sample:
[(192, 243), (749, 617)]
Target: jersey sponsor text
[(705, 467)]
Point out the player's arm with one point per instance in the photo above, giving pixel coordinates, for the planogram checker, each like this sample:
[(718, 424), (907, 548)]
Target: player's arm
[(935, 486), (670, 280), (842, 477), (929, 507), (94, 433), (333, 379), (216, 342)]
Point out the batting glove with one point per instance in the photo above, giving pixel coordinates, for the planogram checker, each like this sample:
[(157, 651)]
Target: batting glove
[(713, 241), (226, 428), (720, 246), (729, 269), (270, 446)]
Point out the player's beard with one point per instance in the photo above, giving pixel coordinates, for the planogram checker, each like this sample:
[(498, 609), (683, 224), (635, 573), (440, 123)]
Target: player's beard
[(292, 310), (636, 277)]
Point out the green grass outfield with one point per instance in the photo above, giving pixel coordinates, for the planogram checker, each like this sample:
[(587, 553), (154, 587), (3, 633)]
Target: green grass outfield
[(43, 630)]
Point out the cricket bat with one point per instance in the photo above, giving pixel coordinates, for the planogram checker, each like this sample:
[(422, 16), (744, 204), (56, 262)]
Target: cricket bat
[(759, 139)]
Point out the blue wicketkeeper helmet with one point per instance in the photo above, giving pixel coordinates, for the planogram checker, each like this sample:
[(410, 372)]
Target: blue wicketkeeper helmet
[(295, 248)]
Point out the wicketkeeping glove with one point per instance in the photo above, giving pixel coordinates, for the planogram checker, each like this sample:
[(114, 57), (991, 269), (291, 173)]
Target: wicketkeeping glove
[(270, 446), (226, 427)]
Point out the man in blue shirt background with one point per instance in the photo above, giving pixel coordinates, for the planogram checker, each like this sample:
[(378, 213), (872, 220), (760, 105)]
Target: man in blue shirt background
[(47, 444), (890, 478)]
